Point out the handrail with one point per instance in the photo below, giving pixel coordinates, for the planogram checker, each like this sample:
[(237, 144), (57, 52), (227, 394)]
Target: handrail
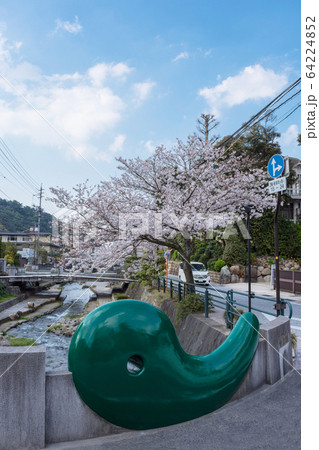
[(212, 296)]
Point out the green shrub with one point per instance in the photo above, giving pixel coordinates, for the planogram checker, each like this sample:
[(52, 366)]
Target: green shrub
[(120, 296), (188, 305), (211, 264), (219, 264), (237, 314), (206, 251), (54, 327), (215, 250), (289, 236), (176, 256), (203, 259), (3, 292), (21, 342), (235, 251)]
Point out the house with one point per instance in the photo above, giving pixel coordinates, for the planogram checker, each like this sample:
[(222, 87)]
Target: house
[(26, 242), (292, 206)]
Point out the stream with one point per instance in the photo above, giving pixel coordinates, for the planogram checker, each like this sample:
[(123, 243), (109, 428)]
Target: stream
[(57, 347)]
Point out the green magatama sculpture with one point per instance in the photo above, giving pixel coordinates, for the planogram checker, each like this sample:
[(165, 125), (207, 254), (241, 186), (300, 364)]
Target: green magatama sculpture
[(129, 367)]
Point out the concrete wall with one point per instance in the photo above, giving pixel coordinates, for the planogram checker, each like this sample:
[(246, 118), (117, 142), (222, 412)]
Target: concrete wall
[(38, 407), (273, 358), (277, 335), (22, 398), (67, 417), (12, 302)]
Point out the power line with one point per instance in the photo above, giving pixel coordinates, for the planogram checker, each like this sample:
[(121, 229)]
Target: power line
[(263, 113), (288, 114), (14, 171), (5, 194), (26, 174)]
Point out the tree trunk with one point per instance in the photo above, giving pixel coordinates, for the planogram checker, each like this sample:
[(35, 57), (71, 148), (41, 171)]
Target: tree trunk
[(187, 266)]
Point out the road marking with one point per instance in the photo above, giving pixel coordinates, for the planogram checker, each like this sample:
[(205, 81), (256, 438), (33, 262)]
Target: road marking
[(268, 316), (296, 318), (295, 328)]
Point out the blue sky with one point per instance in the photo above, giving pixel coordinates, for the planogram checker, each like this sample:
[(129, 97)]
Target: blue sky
[(84, 82)]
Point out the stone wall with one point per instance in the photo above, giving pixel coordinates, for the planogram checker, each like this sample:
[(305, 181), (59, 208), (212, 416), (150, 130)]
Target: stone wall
[(214, 276)]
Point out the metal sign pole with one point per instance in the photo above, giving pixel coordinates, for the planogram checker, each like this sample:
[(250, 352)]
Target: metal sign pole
[(278, 303), (276, 167)]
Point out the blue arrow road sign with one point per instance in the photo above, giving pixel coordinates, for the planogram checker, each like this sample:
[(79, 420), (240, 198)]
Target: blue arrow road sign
[(276, 166)]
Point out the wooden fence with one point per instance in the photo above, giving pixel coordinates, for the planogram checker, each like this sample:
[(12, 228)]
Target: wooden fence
[(290, 280)]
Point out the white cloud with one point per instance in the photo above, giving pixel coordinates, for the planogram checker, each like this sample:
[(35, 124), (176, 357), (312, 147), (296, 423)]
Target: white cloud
[(182, 55), (69, 27), (289, 137), (148, 145), (252, 83), (142, 90), (81, 107), (118, 143), (99, 73)]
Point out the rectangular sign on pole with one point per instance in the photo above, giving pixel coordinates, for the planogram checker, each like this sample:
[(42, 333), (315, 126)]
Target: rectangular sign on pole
[(277, 185)]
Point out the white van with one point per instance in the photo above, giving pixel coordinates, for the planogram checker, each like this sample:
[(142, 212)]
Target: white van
[(200, 273)]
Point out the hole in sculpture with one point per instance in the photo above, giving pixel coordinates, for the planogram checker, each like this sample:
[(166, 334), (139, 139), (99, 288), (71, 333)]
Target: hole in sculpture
[(135, 364)]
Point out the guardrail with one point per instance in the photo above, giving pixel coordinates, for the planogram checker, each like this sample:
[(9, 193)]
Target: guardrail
[(213, 297)]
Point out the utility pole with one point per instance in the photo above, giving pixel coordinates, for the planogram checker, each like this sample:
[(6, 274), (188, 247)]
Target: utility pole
[(39, 224)]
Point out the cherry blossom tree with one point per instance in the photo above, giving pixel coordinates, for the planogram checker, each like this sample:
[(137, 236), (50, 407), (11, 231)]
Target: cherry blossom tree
[(164, 201)]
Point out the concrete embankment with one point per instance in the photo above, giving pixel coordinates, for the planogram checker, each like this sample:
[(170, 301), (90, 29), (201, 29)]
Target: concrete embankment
[(29, 307)]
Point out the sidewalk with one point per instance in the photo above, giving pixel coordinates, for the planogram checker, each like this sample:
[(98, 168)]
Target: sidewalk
[(262, 289)]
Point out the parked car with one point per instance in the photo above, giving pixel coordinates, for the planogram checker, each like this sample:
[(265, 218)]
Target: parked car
[(200, 273)]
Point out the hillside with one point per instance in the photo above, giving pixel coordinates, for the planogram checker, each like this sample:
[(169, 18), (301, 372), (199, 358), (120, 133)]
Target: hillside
[(15, 217)]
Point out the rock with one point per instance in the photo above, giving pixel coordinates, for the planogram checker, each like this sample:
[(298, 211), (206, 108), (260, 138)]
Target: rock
[(266, 271), (234, 278), (224, 275), (68, 333), (260, 279), (4, 341), (30, 305), (15, 316), (234, 270), (267, 279)]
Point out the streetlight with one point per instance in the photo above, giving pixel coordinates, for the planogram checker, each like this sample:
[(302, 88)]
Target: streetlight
[(247, 209)]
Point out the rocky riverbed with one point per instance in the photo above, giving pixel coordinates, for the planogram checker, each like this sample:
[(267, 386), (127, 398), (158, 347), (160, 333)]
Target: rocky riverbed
[(55, 328)]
